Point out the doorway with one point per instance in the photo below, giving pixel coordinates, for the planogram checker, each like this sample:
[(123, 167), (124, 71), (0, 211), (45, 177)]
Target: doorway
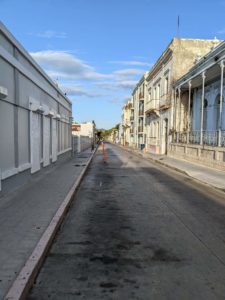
[(165, 133), (35, 140)]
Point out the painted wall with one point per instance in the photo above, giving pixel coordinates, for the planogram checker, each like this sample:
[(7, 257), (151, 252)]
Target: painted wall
[(23, 126), (212, 92)]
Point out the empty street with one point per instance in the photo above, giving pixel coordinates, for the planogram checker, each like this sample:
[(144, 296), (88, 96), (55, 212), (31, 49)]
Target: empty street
[(137, 230)]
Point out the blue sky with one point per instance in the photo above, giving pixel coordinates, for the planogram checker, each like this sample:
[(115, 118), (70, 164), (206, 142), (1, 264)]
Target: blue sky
[(98, 49)]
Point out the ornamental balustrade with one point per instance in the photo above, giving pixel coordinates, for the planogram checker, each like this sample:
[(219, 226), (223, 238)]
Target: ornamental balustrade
[(209, 137), (195, 137), (222, 138)]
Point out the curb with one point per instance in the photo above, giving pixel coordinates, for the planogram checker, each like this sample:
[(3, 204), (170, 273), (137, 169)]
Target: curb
[(26, 277)]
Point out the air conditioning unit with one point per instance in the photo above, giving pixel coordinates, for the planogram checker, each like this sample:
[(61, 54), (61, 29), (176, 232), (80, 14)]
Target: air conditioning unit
[(3, 92)]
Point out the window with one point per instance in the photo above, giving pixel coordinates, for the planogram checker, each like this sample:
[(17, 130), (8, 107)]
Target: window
[(166, 85), (149, 94), (158, 91), (154, 95), (205, 111)]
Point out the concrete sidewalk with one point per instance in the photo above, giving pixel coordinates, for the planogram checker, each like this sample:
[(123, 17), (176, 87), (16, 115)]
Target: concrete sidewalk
[(26, 213), (206, 175)]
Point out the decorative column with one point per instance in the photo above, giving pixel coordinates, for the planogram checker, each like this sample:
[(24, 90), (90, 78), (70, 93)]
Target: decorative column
[(221, 102), (189, 110), (179, 114), (202, 107), (175, 110)]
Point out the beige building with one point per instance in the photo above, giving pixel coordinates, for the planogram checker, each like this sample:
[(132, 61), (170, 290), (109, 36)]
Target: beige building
[(139, 98), (175, 61), (126, 124)]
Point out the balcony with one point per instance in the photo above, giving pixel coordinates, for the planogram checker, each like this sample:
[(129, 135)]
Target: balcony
[(140, 129), (165, 101), (152, 106), (126, 123)]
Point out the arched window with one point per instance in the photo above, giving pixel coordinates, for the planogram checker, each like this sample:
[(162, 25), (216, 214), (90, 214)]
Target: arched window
[(205, 113), (216, 112)]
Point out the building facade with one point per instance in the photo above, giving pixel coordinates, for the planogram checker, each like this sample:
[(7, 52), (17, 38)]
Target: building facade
[(200, 112), (34, 115), (152, 107), (126, 124), (136, 116), (83, 136), (175, 61)]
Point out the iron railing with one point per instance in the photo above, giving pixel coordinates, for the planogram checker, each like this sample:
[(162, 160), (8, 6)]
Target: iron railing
[(209, 137), (195, 137), (222, 138)]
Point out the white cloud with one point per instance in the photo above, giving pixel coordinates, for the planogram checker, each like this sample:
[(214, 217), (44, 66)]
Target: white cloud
[(130, 63), (127, 84), (77, 90), (115, 101), (48, 34), (66, 65), (109, 85), (129, 72)]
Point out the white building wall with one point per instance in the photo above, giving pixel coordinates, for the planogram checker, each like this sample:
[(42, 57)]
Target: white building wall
[(29, 89)]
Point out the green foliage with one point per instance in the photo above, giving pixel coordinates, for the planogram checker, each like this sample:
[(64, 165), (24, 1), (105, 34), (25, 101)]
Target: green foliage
[(107, 132)]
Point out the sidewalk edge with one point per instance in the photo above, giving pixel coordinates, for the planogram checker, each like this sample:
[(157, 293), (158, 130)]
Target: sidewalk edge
[(26, 277), (162, 163)]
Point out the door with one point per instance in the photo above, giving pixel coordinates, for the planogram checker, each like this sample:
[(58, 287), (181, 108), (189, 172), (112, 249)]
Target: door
[(46, 141), (166, 134), (54, 140), (35, 138)]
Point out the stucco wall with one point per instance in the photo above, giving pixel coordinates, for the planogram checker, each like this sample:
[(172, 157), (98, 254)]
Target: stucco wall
[(186, 51), (24, 80)]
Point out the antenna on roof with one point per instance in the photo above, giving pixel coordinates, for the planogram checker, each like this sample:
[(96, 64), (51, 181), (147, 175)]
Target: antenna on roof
[(178, 26)]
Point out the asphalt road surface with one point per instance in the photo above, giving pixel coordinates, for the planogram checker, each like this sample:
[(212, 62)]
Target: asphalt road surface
[(137, 231)]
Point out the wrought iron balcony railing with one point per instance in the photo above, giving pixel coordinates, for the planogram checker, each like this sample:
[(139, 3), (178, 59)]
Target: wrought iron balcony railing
[(209, 137)]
